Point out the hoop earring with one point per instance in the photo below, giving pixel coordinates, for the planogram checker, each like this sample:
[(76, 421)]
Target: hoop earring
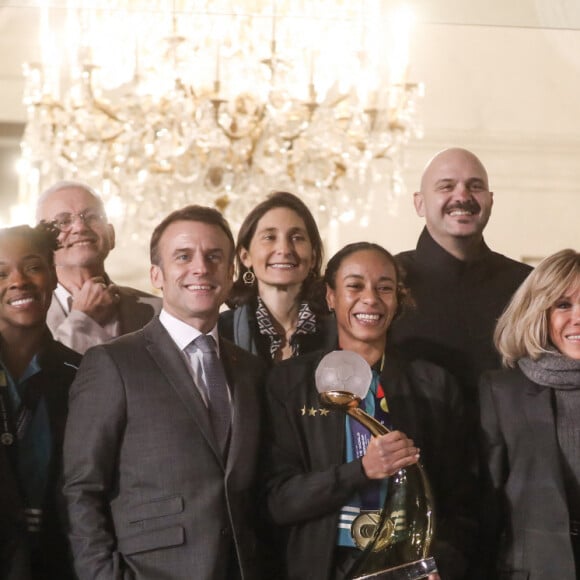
[(249, 278)]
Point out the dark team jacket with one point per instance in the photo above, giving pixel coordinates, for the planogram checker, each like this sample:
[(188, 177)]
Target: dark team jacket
[(51, 558), (307, 481)]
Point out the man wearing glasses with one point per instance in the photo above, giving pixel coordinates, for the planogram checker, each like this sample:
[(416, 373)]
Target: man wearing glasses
[(87, 308)]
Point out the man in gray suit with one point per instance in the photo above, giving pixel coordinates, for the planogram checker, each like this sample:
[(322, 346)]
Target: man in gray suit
[(87, 308), (151, 493)]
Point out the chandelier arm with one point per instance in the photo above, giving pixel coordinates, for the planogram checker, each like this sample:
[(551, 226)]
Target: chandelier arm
[(153, 98)]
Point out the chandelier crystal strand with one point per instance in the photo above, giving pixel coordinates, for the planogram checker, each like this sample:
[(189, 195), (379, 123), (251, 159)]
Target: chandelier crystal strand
[(162, 103)]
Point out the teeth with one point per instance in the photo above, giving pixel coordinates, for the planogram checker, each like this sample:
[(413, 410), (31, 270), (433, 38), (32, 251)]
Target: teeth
[(367, 316), (460, 212), (283, 266), (81, 244), (198, 287), (22, 301), (573, 337)]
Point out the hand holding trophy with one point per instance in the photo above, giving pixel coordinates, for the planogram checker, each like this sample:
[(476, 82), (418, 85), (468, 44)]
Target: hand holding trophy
[(353, 499), (395, 541)]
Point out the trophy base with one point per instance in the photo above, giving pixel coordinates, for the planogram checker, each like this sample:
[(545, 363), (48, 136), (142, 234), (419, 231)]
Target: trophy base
[(411, 571)]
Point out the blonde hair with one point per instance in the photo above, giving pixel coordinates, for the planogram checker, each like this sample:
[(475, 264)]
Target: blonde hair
[(523, 328)]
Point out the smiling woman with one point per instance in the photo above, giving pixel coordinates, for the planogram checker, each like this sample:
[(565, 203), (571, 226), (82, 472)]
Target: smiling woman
[(27, 279), (276, 312), (530, 416), (322, 470), (35, 374)]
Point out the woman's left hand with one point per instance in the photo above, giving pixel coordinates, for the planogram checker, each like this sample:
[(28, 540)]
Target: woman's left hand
[(433, 577), (388, 453)]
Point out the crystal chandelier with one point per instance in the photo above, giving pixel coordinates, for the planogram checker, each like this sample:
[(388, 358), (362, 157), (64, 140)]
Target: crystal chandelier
[(161, 103)]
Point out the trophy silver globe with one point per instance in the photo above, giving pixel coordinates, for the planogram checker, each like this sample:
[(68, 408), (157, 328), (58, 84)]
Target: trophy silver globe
[(395, 541)]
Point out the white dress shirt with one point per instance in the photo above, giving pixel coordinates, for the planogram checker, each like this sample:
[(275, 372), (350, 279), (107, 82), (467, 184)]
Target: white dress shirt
[(183, 335), (64, 297)]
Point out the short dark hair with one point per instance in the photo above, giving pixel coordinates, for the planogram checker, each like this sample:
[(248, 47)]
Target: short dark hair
[(241, 293), (190, 213), (43, 237), (404, 300)]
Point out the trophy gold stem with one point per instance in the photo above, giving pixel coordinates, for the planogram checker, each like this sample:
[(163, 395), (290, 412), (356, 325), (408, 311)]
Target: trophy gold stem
[(400, 544)]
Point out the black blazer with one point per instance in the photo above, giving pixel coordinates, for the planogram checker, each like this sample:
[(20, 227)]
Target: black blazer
[(307, 481), (51, 556), (525, 517)]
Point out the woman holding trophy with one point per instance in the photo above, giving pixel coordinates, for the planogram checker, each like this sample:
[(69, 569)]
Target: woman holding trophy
[(324, 471)]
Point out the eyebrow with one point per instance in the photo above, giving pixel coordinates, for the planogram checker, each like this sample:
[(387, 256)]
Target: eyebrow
[(26, 258), (275, 229), (85, 210), (191, 250), (446, 180), (361, 277), (565, 296)]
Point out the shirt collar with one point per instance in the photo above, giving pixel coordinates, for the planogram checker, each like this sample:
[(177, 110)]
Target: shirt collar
[(183, 333), (436, 257), (63, 295)]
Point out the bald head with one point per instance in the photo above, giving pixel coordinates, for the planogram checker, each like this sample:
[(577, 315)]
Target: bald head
[(453, 157), (455, 201)]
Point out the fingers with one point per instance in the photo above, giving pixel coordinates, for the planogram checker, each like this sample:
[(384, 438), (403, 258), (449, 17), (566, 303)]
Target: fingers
[(111, 290), (387, 454), (97, 299), (99, 281)]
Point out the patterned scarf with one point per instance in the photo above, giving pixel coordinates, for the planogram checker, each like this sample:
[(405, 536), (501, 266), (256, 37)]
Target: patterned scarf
[(306, 325)]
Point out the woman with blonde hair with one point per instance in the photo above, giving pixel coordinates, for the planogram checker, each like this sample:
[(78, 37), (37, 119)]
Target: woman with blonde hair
[(530, 416)]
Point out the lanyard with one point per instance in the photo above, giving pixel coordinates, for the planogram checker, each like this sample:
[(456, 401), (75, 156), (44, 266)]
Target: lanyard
[(370, 495), (7, 432)]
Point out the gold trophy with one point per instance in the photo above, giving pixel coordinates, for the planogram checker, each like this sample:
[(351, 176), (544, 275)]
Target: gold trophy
[(394, 541)]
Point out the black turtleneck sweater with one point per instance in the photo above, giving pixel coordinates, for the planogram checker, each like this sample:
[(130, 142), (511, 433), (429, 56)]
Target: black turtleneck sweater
[(458, 304)]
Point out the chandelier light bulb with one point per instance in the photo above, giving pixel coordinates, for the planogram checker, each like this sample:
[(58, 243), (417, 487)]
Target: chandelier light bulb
[(218, 102)]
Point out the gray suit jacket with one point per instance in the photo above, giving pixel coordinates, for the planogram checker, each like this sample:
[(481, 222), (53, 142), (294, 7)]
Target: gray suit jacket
[(148, 493), (79, 331), (525, 513)]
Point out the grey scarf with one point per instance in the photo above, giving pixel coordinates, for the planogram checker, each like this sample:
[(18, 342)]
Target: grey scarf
[(552, 370)]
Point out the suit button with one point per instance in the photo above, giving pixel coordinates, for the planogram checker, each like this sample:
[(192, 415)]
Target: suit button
[(225, 532)]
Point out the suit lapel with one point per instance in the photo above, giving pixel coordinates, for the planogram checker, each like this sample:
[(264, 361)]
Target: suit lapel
[(540, 416), (171, 364), (336, 432), (328, 432), (244, 401), (401, 404), (133, 314)]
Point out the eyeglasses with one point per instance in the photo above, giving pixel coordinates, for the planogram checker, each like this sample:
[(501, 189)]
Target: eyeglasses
[(64, 221)]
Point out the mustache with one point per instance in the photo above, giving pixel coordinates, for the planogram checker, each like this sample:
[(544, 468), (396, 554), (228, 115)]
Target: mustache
[(470, 206)]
